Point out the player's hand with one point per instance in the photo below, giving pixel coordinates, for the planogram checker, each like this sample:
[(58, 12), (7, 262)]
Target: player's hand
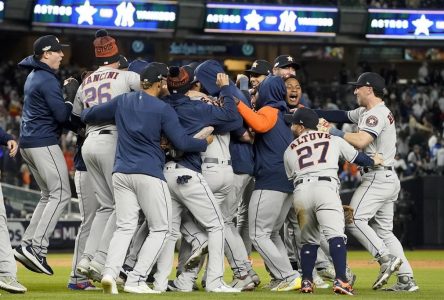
[(209, 139), (13, 148), (323, 125), (165, 143), (222, 79), (204, 133), (377, 158)]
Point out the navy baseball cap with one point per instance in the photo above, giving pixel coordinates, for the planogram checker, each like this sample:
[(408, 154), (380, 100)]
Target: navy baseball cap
[(370, 79), (152, 73), (283, 61), (47, 43), (260, 67), (137, 65), (303, 116), (163, 67)]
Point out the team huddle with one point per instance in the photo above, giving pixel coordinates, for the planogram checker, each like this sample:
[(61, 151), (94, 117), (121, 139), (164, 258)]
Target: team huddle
[(184, 153)]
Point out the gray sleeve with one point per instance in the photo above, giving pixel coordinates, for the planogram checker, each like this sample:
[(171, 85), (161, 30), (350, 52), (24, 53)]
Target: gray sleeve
[(78, 104), (353, 115), (346, 151)]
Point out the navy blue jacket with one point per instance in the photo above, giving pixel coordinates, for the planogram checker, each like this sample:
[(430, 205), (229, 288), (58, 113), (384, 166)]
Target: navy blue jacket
[(195, 115), (140, 120), (270, 146), (44, 109), (241, 153)]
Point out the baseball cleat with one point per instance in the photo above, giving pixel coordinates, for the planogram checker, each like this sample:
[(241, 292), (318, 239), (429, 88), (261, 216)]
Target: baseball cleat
[(224, 288), (272, 284), (83, 266), (83, 286), (327, 273), (254, 277), (319, 282), (288, 285), (142, 288), (20, 257), (10, 284), (351, 277), (307, 287), (194, 259), (95, 271), (172, 287), (38, 260), (343, 288), (109, 285), (404, 284), (389, 264), (244, 283)]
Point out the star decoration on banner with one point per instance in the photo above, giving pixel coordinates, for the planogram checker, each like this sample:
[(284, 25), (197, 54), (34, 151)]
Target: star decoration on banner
[(253, 19), (422, 25), (86, 12)]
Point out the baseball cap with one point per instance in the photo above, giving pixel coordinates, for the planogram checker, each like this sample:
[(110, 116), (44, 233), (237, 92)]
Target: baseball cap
[(137, 65), (303, 116), (123, 62), (162, 67), (283, 61), (371, 79), (151, 73), (260, 66), (47, 43)]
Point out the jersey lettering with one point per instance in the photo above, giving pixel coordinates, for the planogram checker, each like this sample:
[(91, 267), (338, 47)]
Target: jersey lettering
[(305, 154), (391, 118), (99, 95)]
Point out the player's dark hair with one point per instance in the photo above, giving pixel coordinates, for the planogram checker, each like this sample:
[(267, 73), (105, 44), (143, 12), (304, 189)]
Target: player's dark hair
[(378, 93)]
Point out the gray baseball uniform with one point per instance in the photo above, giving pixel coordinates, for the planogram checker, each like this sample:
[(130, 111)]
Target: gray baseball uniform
[(99, 151), (378, 191)]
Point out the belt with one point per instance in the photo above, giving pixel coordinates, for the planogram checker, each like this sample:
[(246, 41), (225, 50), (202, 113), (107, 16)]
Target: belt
[(103, 131), (369, 169), (175, 166), (320, 178), (217, 161)]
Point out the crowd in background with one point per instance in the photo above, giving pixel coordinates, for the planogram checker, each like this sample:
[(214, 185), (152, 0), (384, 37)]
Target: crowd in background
[(418, 106)]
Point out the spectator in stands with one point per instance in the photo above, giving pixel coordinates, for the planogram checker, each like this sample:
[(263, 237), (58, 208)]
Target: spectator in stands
[(415, 159), (400, 166)]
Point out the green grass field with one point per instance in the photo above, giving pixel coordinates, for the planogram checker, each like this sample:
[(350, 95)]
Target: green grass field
[(428, 267)]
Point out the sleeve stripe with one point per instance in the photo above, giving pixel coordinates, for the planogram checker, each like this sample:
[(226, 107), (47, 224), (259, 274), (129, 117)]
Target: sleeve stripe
[(354, 157), (372, 132)]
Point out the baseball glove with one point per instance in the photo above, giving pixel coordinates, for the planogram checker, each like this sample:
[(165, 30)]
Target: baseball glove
[(348, 214), (70, 88)]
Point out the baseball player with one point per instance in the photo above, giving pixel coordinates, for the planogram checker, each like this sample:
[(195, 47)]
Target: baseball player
[(218, 172), (8, 267), (378, 191), (99, 147), (259, 70), (138, 178), (285, 65), (272, 198), (44, 113), (187, 185), (311, 162)]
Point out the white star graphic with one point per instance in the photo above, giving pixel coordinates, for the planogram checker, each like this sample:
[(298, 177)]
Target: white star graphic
[(86, 12), (254, 65), (289, 58), (253, 20), (422, 25)]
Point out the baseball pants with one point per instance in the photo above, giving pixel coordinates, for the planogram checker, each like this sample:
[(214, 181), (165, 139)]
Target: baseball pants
[(8, 267), (132, 193), (98, 152), (88, 206), (48, 166), (243, 185), (375, 198), (266, 215), (196, 196)]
